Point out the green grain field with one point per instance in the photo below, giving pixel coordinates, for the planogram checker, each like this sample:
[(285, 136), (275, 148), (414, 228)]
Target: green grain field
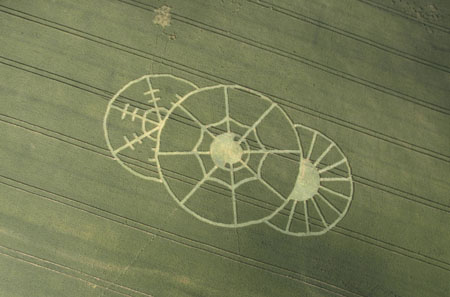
[(373, 75)]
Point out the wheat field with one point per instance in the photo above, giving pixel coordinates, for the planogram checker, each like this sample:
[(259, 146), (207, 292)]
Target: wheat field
[(371, 75)]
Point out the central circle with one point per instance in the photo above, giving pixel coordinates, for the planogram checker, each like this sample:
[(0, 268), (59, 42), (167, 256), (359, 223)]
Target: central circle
[(308, 182), (226, 150)]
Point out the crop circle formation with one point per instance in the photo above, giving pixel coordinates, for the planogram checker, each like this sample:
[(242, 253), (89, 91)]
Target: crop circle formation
[(229, 155)]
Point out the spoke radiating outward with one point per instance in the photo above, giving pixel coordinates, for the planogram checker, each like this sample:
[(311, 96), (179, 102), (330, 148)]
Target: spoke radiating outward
[(305, 205), (291, 215), (263, 181), (245, 180), (256, 123), (233, 195), (335, 179), (311, 147), (197, 121), (319, 212), (332, 166), (154, 99), (335, 193), (198, 185), (325, 152), (265, 151), (182, 153), (227, 109), (328, 203)]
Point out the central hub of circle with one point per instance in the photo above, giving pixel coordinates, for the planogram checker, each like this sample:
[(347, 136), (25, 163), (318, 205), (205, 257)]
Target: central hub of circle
[(308, 182), (225, 150)]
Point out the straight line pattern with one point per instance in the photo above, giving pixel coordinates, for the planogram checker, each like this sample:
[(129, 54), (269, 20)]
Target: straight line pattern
[(404, 15), (298, 58), (67, 271), (178, 239), (395, 51), (134, 224), (281, 101)]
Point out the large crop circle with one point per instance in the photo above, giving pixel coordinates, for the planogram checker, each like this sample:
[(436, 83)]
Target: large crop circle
[(238, 150)]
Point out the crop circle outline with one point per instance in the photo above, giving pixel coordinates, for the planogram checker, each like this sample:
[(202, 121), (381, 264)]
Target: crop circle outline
[(350, 195), (190, 211), (108, 110)]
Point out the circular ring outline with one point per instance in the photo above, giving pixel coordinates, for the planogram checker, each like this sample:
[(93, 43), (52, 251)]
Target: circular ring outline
[(232, 225), (344, 212)]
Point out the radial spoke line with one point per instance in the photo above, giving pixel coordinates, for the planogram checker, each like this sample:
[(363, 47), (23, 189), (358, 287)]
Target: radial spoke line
[(194, 118), (264, 151), (313, 141), (291, 215), (227, 109), (154, 99), (136, 139), (334, 179), (198, 185), (249, 169), (335, 193), (305, 205), (328, 203), (272, 189), (209, 132), (256, 123), (264, 182), (197, 121), (325, 152), (158, 113), (184, 153), (233, 195), (319, 212), (332, 166)]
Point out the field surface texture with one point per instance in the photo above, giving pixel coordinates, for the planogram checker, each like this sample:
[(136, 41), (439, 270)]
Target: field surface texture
[(252, 148)]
